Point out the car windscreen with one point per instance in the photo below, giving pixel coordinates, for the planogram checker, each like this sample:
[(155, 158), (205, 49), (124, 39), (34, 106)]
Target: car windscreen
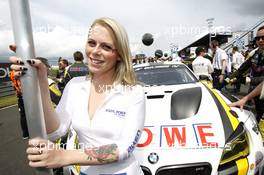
[(165, 75)]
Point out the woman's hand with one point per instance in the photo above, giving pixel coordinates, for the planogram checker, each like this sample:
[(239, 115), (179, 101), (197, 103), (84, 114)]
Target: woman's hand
[(44, 153), (20, 68)]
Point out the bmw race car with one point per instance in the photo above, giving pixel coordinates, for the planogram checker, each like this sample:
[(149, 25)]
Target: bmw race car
[(190, 129)]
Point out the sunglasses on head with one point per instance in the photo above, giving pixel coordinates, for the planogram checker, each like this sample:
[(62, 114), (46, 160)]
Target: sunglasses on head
[(259, 37)]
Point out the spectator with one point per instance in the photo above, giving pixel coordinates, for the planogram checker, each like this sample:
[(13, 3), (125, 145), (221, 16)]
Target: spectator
[(237, 60), (78, 68), (23, 121), (60, 75), (220, 61), (55, 93), (201, 65)]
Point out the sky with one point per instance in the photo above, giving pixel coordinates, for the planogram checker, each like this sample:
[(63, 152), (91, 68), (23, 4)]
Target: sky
[(60, 27)]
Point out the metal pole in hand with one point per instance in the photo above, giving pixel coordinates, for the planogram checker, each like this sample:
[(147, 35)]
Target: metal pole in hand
[(22, 30)]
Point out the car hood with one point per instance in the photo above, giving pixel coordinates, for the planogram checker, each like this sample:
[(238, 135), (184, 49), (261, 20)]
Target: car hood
[(199, 137)]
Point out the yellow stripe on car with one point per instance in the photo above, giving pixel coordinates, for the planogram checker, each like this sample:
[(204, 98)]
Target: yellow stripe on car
[(242, 166), (234, 121)]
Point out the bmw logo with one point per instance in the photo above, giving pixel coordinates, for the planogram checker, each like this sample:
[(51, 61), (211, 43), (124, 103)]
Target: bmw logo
[(153, 158)]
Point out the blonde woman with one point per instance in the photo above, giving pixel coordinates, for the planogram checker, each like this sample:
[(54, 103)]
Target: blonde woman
[(106, 108)]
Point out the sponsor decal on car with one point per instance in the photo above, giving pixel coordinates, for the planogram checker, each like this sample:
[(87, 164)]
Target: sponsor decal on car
[(175, 136)]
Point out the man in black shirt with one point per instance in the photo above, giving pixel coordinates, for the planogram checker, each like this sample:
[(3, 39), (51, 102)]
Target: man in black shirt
[(78, 68)]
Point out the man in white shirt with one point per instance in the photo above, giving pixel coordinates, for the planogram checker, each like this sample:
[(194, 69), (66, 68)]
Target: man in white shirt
[(237, 58), (201, 65), (220, 62)]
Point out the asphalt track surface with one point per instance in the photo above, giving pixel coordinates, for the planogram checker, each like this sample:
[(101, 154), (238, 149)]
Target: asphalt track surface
[(13, 159)]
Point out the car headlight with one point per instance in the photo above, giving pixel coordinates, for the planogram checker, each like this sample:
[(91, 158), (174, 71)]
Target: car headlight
[(237, 145)]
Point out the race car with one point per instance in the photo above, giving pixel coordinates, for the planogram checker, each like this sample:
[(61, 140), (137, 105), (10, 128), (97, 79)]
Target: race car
[(190, 129)]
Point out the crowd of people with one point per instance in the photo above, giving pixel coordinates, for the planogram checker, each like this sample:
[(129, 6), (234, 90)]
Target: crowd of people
[(236, 68), (66, 71), (141, 60)]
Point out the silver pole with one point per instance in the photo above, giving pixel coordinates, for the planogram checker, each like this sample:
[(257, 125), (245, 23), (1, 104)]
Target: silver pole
[(210, 25), (22, 30)]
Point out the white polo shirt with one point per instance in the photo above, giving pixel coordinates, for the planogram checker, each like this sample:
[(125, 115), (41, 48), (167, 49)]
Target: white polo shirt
[(237, 59), (120, 120), (202, 66)]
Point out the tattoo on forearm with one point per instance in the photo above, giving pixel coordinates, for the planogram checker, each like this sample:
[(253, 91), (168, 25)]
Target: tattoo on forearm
[(102, 154)]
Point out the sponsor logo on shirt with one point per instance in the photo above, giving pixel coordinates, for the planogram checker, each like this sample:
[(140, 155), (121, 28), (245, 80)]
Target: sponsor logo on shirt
[(199, 64), (78, 69), (133, 145), (116, 112)]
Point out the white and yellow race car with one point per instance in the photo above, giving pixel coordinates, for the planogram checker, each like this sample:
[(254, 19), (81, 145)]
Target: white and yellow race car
[(190, 129)]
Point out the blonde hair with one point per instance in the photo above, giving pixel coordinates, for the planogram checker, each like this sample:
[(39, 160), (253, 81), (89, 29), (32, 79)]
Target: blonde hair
[(124, 72)]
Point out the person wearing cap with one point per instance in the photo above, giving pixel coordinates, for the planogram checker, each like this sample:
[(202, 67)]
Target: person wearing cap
[(55, 93), (201, 65)]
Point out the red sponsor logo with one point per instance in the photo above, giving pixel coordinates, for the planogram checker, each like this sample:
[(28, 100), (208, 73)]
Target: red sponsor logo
[(175, 136)]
